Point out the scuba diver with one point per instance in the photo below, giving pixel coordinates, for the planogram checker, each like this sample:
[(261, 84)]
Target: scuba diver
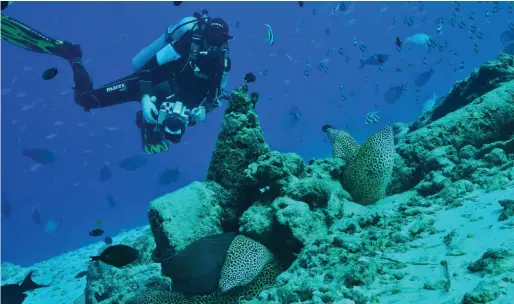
[(178, 78)]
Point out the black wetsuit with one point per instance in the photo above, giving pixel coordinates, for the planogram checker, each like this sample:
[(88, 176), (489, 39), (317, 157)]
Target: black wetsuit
[(177, 77), (173, 78)]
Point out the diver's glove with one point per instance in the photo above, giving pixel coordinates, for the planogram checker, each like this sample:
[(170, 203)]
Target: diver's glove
[(149, 109), (198, 114)]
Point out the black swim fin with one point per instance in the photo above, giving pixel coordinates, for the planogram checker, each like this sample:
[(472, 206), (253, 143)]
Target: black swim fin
[(28, 284), (152, 141), (28, 38), (5, 4)]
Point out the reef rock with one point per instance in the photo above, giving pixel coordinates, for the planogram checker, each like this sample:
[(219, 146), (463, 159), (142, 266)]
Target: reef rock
[(121, 285), (273, 171), (475, 116), (240, 143), (297, 203), (108, 284), (179, 218)]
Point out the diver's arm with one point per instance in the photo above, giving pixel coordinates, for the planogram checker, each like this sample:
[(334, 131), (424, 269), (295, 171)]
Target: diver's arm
[(216, 93), (224, 80), (161, 51), (145, 83), (213, 99), (211, 104)]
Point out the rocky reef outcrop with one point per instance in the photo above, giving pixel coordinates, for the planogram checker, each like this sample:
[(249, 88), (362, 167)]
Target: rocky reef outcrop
[(108, 284), (240, 143), (469, 136), (184, 216), (330, 223)]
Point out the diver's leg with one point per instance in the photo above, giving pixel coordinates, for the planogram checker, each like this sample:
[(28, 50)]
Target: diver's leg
[(81, 79), (117, 92), (23, 36), (28, 38)]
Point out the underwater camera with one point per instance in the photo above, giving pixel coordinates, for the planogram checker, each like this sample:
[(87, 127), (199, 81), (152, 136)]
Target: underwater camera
[(173, 117)]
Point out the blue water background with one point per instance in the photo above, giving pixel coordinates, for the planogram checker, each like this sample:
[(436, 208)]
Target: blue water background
[(111, 33)]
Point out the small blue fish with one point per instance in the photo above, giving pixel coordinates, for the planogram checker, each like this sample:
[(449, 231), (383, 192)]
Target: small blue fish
[(475, 47), (340, 50), (307, 70), (270, 36), (42, 156), (81, 274), (409, 21), (472, 28), (353, 95), (323, 65), (294, 116), (36, 216), (110, 201), (343, 93), (105, 173), (52, 226), (344, 6), (377, 59), (507, 36), (423, 78), (6, 206), (453, 21), (439, 28), (479, 34), (169, 176), (133, 163), (393, 94)]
